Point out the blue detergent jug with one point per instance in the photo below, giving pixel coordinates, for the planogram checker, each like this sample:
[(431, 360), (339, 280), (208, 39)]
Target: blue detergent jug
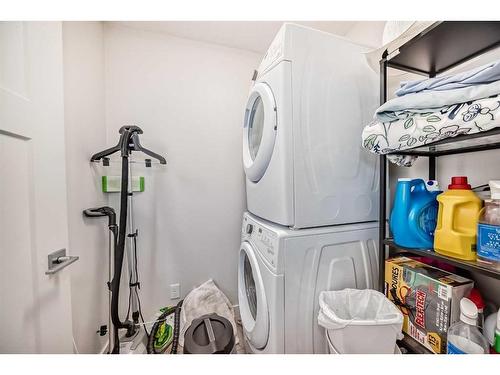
[(414, 213)]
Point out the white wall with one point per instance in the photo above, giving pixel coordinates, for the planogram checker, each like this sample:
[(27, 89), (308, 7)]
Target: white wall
[(188, 97), (85, 134), (368, 33)]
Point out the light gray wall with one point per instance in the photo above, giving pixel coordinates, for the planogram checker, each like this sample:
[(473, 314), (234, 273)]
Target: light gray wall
[(85, 134), (188, 97)]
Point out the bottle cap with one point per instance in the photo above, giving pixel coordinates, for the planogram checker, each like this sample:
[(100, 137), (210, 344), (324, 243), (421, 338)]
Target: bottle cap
[(459, 182), (432, 185), (495, 189), (468, 311), (476, 298)]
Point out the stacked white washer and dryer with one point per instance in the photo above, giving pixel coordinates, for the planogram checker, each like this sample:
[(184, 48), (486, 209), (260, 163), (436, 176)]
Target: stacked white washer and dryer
[(312, 192)]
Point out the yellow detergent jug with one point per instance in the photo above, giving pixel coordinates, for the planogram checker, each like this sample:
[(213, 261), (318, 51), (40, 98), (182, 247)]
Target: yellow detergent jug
[(456, 228)]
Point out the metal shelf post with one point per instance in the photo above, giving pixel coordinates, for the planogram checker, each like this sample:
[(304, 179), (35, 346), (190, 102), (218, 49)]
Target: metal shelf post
[(383, 182)]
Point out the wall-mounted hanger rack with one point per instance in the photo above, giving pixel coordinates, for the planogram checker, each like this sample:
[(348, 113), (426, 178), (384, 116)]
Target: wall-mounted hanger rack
[(129, 141)]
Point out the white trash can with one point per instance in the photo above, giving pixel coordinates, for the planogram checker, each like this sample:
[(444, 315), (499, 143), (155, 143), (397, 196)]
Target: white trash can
[(333, 350), (359, 321)]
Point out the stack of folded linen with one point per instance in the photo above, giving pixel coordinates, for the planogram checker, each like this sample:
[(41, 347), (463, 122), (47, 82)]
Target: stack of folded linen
[(430, 110)]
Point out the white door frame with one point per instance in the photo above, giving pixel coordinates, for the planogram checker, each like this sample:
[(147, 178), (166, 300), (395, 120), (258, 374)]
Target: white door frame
[(36, 312)]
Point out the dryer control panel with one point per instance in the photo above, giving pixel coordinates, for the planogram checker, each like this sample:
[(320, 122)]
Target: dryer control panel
[(274, 53)]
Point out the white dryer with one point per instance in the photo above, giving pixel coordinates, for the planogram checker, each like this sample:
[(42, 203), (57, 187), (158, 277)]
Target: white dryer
[(302, 153), (282, 271)]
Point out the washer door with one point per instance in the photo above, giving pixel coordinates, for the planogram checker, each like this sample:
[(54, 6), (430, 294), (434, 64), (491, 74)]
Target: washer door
[(259, 131), (252, 298)]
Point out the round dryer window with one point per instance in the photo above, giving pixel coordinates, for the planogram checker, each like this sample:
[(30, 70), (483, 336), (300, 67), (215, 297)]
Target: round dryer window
[(255, 127), (250, 287), (259, 131), (252, 298)]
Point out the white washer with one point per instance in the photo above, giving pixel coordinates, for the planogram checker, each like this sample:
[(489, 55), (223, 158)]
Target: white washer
[(302, 153), (282, 271)]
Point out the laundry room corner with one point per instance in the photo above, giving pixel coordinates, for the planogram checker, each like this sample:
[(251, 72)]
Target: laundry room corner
[(83, 59), (187, 96)]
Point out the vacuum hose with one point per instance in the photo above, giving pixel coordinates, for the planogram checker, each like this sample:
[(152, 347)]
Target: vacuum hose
[(175, 340), (110, 213), (151, 339)]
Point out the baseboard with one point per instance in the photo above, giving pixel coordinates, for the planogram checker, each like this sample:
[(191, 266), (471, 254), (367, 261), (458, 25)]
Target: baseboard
[(104, 350)]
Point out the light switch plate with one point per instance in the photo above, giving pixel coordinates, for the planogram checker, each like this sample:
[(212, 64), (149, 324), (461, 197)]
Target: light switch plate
[(175, 291)]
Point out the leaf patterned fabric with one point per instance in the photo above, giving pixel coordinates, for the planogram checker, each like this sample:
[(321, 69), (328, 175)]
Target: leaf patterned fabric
[(414, 129)]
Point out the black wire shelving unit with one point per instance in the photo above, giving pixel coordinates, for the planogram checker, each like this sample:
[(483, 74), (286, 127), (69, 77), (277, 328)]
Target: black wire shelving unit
[(440, 47)]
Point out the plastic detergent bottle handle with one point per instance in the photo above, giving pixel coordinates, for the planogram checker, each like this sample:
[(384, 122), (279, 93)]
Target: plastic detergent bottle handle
[(481, 211), (405, 189), (447, 216), (418, 185)]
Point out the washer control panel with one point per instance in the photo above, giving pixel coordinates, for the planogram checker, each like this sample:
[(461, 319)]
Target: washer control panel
[(265, 240), (249, 228)]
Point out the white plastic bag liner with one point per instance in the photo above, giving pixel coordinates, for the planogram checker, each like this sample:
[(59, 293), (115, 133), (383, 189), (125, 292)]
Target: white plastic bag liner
[(360, 321)]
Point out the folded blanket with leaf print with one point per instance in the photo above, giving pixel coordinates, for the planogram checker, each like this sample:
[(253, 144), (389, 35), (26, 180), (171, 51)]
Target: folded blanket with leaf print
[(415, 127)]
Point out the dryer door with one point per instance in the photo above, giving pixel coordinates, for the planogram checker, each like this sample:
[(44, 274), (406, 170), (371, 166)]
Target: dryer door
[(252, 298), (259, 131)]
